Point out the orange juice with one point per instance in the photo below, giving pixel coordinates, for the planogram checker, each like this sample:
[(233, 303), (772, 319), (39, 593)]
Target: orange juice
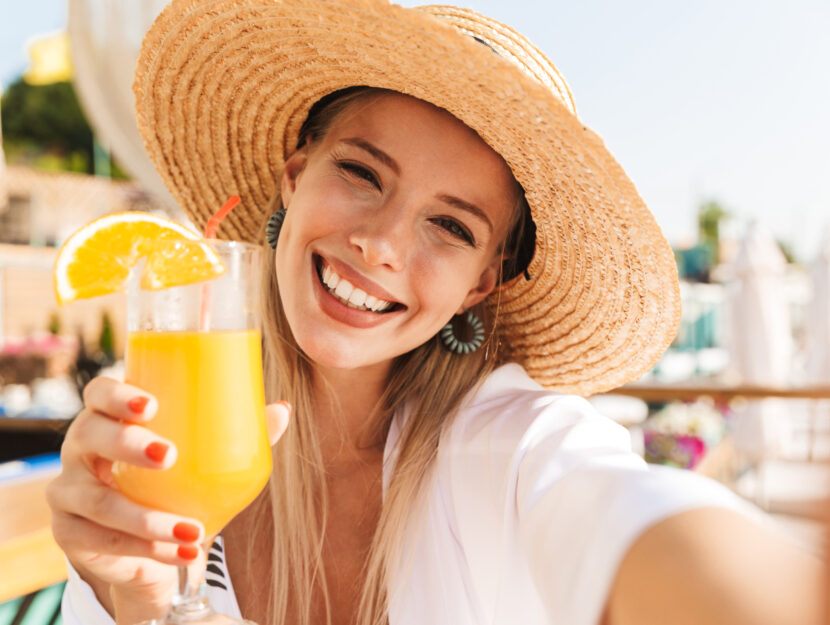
[(211, 404)]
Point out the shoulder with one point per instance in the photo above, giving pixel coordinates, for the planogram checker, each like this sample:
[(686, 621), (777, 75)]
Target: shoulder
[(514, 443), (512, 438), (509, 410)]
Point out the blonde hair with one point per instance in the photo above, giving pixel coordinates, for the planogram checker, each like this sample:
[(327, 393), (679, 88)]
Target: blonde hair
[(429, 381)]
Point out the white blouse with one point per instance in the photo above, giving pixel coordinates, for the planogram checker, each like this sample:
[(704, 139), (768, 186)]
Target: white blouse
[(534, 501)]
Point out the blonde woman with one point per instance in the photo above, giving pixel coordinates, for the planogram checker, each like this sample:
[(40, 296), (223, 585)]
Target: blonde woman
[(456, 259)]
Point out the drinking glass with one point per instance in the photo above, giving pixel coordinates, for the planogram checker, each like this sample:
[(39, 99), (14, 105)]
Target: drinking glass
[(196, 348)]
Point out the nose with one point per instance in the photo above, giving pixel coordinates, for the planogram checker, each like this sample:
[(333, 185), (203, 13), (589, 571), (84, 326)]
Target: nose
[(382, 237)]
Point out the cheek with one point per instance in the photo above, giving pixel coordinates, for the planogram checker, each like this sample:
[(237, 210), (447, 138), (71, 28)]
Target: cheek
[(441, 282), (310, 217)]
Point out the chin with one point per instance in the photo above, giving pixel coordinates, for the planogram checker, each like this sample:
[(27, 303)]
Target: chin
[(334, 354)]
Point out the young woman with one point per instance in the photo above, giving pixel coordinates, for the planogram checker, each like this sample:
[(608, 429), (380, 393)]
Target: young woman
[(456, 258)]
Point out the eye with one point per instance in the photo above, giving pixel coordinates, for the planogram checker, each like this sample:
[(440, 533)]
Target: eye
[(359, 171), (455, 229)]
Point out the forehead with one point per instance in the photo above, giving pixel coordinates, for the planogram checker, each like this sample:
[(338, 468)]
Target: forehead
[(395, 116), (428, 142)]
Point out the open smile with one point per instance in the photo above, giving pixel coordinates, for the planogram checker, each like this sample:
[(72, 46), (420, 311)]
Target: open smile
[(352, 300)]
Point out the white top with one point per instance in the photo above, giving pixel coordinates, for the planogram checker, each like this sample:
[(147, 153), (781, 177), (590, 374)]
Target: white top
[(535, 500)]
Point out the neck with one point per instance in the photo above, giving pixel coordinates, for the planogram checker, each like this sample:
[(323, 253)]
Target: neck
[(343, 402)]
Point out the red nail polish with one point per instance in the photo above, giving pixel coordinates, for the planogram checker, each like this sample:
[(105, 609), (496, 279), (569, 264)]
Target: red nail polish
[(186, 532), (156, 451), (188, 553), (138, 404)]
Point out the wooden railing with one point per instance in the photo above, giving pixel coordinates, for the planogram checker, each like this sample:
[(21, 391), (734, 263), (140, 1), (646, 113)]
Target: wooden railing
[(689, 391), (719, 462), (29, 557)]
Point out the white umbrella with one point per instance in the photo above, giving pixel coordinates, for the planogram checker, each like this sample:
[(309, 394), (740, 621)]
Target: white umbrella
[(818, 317), (105, 38), (760, 341), (817, 332)]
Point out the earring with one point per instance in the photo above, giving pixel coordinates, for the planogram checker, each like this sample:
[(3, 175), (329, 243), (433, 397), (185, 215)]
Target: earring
[(452, 342), (272, 231)]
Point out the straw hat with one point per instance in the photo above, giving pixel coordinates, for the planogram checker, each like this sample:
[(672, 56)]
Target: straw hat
[(223, 86)]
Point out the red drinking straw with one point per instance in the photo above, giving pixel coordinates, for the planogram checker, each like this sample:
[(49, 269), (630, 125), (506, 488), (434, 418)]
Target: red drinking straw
[(213, 223), (210, 233)]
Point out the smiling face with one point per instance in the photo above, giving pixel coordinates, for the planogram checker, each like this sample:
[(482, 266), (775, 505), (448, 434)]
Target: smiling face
[(394, 224)]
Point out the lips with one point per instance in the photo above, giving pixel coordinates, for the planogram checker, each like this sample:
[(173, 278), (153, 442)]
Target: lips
[(353, 291), (334, 308)]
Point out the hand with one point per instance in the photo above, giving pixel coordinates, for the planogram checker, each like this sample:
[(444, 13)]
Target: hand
[(125, 551)]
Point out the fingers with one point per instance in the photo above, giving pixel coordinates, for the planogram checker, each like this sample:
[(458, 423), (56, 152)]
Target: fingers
[(110, 509), (99, 436), (79, 537), (119, 401), (277, 416), (91, 520)]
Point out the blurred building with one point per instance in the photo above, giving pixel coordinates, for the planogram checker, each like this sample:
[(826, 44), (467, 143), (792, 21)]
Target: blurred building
[(43, 209), (46, 207)]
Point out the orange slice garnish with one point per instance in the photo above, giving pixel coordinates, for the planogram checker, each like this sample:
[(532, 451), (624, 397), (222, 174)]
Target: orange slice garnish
[(97, 259)]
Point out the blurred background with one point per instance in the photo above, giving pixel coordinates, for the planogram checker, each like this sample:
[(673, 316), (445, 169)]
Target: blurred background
[(717, 110)]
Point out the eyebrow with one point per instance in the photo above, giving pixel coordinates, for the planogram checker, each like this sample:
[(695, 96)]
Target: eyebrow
[(466, 206), (379, 154), (392, 164)]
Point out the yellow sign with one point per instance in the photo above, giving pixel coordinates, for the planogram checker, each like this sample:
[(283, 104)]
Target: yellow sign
[(50, 60)]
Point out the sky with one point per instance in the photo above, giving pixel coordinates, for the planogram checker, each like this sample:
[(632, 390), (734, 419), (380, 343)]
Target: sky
[(699, 100)]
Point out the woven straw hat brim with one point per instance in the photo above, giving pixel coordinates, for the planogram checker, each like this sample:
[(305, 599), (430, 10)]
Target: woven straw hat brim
[(223, 86)]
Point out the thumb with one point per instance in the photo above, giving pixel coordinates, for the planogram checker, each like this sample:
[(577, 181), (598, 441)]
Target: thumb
[(277, 415)]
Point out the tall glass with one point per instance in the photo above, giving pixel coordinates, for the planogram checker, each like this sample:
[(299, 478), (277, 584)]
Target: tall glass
[(196, 348)]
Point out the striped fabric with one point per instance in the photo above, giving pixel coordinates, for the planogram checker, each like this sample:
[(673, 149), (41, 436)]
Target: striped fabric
[(38, 608), (215, 575)]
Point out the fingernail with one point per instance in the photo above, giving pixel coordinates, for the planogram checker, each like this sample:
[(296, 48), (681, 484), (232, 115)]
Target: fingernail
[(188, 553), (138, 404), (156, 451), (186, 532)]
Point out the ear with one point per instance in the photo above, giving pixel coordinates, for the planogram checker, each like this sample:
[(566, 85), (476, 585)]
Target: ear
[(294, 166), (486, 284)]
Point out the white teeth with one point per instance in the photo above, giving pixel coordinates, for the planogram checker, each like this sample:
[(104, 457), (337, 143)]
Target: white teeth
[(358, 297), (346, 292), (344, 289), (332, 279)]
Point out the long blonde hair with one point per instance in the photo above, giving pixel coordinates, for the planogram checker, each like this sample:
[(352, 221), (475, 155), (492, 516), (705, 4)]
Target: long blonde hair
[(430, 381)]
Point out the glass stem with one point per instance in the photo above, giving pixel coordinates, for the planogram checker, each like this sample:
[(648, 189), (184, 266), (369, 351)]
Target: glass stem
[(191, 602)]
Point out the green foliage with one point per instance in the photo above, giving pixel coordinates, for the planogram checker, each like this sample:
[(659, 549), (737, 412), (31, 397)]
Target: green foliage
[(709, 216), (787, 251), (54, 324), (44, 127), (48, 116), (33, 155), (106, 341)]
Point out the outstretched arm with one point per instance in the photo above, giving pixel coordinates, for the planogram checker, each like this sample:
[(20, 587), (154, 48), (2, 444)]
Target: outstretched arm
[(715, 566)]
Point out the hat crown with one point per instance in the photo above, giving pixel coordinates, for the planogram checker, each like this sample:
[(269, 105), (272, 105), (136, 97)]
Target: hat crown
[(507, 43), (223, 87)]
